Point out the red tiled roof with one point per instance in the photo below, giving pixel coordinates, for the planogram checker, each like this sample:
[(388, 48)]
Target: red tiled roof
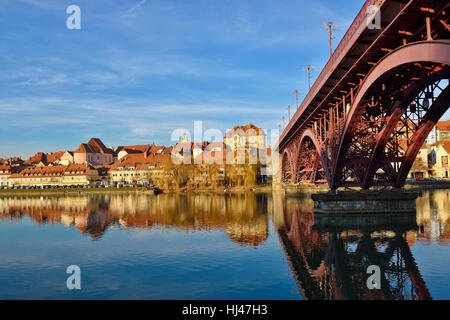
[(249, 129), (140, 161), (139, 148), (167, 150), (155, 149), (443, 125), (6, 170), (95, 145), (70, 170), (84, 148), (38, 157), (130, 151), (53, 157), (444, 144)]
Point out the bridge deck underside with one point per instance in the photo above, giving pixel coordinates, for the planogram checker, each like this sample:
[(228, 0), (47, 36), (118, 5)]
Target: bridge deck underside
[(326, 108)]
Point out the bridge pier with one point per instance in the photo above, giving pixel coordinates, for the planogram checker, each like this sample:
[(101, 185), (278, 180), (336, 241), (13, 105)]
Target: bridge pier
[(277, 183), (344, 203)]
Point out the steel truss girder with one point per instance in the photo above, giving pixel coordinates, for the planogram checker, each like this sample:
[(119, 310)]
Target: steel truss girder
[(333, 131), (436, 52)]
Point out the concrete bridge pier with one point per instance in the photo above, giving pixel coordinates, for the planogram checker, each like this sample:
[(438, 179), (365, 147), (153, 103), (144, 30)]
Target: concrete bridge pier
[(277, 183), (344, 203)]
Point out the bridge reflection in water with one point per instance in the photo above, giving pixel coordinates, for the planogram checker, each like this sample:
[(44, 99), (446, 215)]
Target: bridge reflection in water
[(328, 256)]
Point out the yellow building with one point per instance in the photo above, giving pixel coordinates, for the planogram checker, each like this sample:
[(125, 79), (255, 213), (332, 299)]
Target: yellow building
[(245, 137), (420, 168), (55, 176), (444, 130), (140, 168), (440, 156), (242, 141), (5, 172)]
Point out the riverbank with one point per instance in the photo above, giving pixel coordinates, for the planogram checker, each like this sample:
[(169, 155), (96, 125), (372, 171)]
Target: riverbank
[(424, 185), (288, 190), (75, 191)]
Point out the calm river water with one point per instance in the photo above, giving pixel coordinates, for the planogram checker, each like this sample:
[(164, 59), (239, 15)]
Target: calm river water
[(210, 246)]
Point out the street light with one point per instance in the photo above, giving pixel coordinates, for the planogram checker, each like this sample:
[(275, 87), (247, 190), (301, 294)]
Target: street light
[(330, 27), (308, 69), (296, 92), (288, 108)]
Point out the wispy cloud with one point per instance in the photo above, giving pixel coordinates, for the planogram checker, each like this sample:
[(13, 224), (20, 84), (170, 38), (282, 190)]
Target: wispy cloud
[(137, 6), (138, 69)]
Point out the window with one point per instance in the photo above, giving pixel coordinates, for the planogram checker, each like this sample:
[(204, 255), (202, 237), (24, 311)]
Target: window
[(444, 161)]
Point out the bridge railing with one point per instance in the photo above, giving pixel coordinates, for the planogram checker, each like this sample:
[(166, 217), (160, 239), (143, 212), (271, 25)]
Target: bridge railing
[(356, 28)]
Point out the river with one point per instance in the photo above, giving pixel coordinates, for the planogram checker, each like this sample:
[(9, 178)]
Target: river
[(209, 246)]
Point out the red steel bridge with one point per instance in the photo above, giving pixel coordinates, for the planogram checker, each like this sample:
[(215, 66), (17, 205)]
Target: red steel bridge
[(375, 102)]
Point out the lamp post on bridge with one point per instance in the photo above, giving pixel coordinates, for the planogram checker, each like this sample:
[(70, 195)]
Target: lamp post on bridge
[(330, 27), (308, 69), (296, 92), (284, 122), (288, 108)]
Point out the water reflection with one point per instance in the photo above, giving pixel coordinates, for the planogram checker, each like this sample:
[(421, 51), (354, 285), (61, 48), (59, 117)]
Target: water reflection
[(327, 256), (243, 217), (433, 218)]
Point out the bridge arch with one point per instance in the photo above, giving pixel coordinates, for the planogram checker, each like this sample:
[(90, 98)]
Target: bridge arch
[(287, 167), (304, 160), (430, 59), (311, 147)]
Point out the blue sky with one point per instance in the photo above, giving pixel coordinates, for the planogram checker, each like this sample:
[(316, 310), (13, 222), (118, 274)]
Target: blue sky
[(138, 69)]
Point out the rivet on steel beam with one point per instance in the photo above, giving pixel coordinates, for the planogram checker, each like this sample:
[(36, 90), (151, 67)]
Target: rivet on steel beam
[(406, 33), (430, 10), (445, 25)]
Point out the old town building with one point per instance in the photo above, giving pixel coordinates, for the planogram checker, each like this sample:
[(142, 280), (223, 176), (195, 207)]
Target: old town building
[(122, 151), (420, 168), (439, 159), (71, 175), (246, 143), (137, 168), (94, 152), (5, 172), (248, 136)]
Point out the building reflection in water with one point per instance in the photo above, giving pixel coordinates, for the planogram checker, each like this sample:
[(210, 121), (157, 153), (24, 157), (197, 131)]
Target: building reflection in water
[(243, 217), (433, 218), (328, 256)]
